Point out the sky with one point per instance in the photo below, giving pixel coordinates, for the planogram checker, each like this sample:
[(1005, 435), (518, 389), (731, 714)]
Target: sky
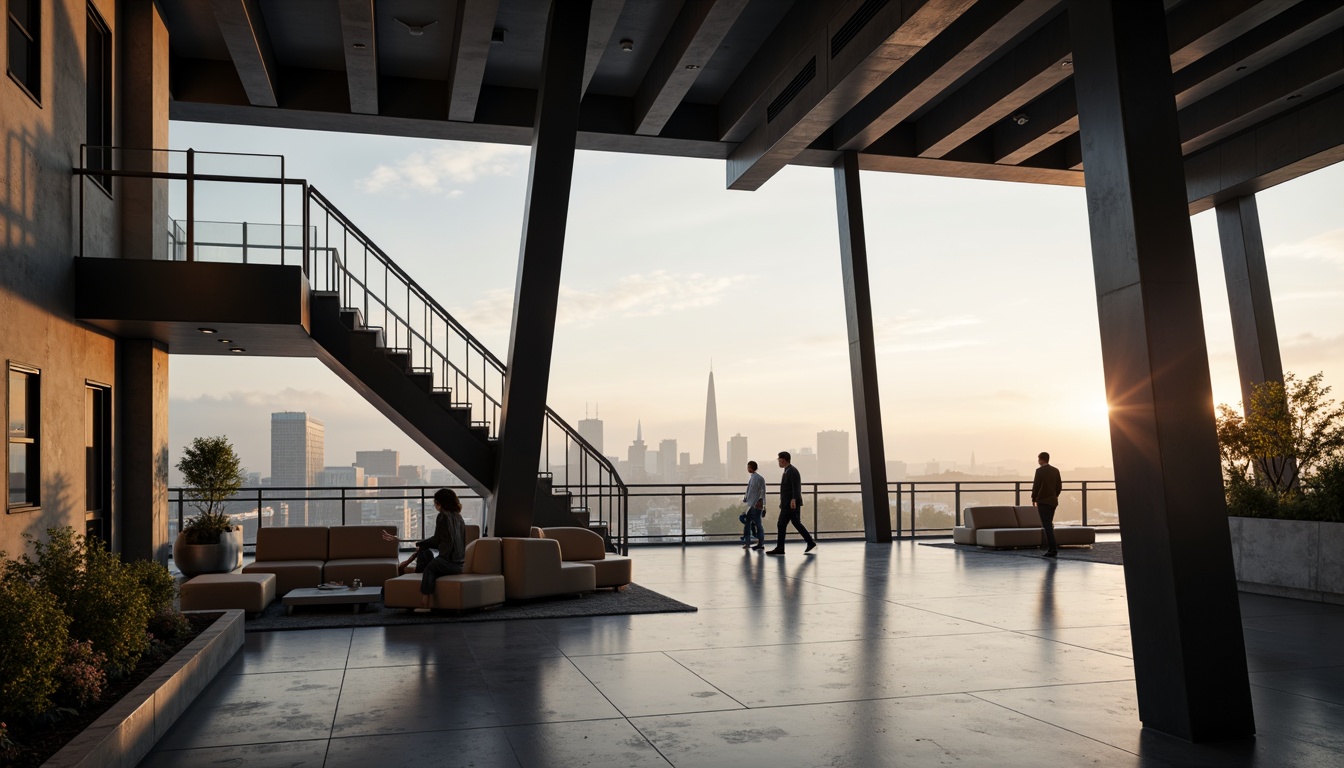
[(983, 299)]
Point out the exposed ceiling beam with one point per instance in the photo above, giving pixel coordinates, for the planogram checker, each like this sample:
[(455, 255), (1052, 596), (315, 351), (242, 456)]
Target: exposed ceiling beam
[(974, 38), (244, 30), (1308, 72), (1032, 68), (475, 25), (861, 46), (600, 26), (696, 33), (361, 55), (1193, 30)]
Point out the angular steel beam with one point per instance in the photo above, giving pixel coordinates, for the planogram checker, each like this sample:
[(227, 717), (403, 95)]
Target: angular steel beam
[(862, 350), (1253, 331), (602, 24), (696, 33), (537, 291), (1185, 620), (361, 55), (244, 30), (472, 30), (830, 74), (974, 38)]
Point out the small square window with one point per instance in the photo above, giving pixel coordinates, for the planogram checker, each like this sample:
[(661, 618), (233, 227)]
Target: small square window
[(22, 438)]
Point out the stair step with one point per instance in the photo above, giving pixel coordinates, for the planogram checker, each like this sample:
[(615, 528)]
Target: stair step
[(374, 336), (399, 357), (352, 318), (422, 379), (481, 431)]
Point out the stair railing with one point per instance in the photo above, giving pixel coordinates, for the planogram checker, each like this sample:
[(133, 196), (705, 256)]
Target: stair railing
[(346, 261)]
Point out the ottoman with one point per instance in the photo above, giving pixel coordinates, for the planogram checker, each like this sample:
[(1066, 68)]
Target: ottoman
[(251, 592)]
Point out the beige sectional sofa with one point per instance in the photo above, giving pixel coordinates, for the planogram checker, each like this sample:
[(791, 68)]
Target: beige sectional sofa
[(306, 556), (533, 567), (481, 583), (1020, 526), (580, 545)]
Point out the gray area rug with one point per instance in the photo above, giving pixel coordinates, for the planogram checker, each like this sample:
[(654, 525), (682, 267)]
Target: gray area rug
[(1102, 552), (633, 599)]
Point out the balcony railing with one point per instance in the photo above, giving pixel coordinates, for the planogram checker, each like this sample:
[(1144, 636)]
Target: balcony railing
[(668, 513)]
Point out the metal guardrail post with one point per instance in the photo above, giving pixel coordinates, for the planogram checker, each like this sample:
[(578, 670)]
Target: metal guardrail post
[(1084, 502), (956, 500), (342, 505), (683, 515), (282, 251), (259, 513), (1017, 493), (816, 513), (191, 205)]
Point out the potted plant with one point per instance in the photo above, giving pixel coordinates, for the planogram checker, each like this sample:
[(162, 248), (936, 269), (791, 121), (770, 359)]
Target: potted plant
[(209, 542)]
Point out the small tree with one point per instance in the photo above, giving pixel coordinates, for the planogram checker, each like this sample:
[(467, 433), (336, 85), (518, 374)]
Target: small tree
[(1289, 430), (213, 473)]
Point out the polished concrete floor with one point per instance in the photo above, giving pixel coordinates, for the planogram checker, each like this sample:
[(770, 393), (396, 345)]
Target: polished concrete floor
[(855, 656)]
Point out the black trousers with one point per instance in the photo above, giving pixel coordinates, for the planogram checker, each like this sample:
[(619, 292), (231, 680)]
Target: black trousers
[(1047, 512), (794, 516), (431, 568)]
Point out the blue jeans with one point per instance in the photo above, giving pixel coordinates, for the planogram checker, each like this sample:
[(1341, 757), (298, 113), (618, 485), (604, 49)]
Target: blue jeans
[(753, 527)]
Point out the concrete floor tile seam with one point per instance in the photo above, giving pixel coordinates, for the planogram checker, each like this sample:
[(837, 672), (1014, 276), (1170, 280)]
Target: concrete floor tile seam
[(1295, 693), (249, 744), (988, 630), (1052, 725), (1028, 633), (705, 681)]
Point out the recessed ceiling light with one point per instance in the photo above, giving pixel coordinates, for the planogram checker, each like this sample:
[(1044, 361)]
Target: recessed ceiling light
[(359, 46), (692, 66), (1066, 64), (206, 330), (415, 28), (226, 341), (1021, 118), (627, 45), (1295, 96), (237, 349)]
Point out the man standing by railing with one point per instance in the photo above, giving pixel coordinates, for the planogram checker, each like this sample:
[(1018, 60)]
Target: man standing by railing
[(790, 504), (754, 498), (1045, 490)]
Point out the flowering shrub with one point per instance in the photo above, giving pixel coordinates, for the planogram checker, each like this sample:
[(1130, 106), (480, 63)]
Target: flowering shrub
[(81, 677), (169, 625), (159, 585), (7, 748), (33, 638)]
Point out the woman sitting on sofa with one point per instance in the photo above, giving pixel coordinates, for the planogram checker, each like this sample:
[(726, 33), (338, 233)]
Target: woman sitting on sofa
[(450, 537)]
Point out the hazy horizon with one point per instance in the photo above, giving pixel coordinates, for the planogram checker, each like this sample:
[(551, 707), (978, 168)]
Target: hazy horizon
[(984, 303)]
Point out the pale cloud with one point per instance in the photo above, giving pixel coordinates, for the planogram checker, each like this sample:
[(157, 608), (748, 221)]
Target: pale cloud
[(1326, 246), (640, 295), (444, 170)]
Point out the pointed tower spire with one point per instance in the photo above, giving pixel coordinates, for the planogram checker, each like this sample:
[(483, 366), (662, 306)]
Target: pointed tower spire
[(711, 463), (639, 430)]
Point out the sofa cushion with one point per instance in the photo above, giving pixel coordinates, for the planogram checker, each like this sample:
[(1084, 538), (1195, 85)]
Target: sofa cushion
[(577, 544), (483, 556), (963, 535), (250, 592), (1075, 534), (289, 574), (454, 592), (373, 571), (612, 571), (1008, 537), (291, 543), (976, 518), (348, 542), (1028, 516), (535, 533), (532, 568), (473, 533)]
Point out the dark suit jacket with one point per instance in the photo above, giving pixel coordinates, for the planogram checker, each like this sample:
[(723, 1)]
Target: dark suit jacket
[(790, 487), (1046, 486)]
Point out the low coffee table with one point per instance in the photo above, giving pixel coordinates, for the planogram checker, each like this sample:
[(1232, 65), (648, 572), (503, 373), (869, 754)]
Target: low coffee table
[(355, 598)]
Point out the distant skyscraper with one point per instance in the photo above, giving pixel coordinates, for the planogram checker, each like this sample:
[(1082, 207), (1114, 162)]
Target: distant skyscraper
[(591, 430), (684, 466), (833, 456), (737, 456), (667, 461), (382, 463), (806, 462), (413, 474), (298, 456), (712, 465), (636, 456)]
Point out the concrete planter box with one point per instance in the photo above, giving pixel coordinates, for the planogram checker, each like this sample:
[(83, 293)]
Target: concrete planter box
[(1289, 558), (127, 731)]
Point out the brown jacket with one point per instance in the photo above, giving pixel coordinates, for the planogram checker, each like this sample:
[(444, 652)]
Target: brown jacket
[(1046, 486)]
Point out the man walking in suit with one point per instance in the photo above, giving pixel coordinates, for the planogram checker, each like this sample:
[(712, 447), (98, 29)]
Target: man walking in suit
[(790, 505), (1045, 490)]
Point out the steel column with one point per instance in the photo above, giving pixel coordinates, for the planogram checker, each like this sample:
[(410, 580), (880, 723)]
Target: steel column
[(537, 292), (1253, 331), (1185, 621), (862, 350)]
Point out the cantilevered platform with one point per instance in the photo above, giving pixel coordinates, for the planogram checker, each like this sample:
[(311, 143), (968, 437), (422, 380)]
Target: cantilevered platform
[(862, 655)]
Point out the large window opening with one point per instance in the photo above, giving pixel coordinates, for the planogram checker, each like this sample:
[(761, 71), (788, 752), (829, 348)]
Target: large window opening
[(98, 64), (23, 432), (25, 49), (97, 459)]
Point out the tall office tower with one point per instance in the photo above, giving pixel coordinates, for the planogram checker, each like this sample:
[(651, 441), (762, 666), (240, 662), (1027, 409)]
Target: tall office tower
[(298, 455), (685, 471), (805, 460), (636, 456), (667, 461), (711, 464), (440, 476), (382, 463), (737, 457), (590, 430), (833, 456), (413, 474), (338, 507)]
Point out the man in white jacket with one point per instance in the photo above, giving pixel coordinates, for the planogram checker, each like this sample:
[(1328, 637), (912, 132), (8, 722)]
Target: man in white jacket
[(754, 498)]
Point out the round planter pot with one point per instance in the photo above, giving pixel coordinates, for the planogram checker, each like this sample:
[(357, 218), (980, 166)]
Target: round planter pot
[(195, 559)]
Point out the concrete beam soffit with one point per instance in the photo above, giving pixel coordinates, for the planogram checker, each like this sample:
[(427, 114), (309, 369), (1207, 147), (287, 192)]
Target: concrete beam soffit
[(244, 30), (472, 30), (360, 42), (696, 33), (601, 25)]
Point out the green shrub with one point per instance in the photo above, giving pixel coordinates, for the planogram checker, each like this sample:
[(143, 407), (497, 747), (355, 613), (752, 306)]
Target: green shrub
[(169, 625), (159, 585), (33, 640), (1246, 498), (104, 599), (207, 527), (81, 677), (1326, 492)]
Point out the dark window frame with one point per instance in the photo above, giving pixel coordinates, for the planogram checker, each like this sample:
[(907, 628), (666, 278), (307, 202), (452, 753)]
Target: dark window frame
[(98, 430), (32, 32), (98, 98), (30, 440)]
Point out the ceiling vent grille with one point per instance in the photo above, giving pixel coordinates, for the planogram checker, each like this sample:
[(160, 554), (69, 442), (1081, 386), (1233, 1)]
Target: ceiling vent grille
[(858, 21), (790, 91)]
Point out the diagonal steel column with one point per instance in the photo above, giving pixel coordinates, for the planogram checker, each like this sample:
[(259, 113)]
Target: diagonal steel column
[(1185, 620), (537, 291), (1253, 331), (862, 350)]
